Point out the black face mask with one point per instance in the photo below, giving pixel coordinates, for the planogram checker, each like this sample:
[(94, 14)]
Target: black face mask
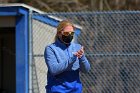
[(67, 39)]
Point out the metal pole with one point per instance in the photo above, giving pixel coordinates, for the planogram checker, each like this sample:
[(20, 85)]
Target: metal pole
[(30, 51)]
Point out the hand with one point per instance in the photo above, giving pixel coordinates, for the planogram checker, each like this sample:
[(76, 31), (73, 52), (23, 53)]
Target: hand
[(80, 53)]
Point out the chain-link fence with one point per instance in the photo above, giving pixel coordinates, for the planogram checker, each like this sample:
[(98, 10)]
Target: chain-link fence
[(112, 46)]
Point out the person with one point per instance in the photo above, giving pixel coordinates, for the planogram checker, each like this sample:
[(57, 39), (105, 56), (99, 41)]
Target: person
[(65, 59)]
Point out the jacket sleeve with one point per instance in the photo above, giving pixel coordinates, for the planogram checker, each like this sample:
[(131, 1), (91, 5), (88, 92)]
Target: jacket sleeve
[(54, 67), (84, 64)]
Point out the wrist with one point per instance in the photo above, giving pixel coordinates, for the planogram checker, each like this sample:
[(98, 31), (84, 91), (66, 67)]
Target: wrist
[(73, 59), (82, 58)]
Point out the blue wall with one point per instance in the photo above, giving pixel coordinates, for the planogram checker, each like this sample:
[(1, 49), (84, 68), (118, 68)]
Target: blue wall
[(21, 45)]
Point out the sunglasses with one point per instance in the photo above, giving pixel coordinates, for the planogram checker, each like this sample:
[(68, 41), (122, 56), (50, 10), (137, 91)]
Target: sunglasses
[(68, 33)]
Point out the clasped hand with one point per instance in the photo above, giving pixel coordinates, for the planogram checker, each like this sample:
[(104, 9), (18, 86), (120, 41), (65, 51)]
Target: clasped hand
[(80, 53)]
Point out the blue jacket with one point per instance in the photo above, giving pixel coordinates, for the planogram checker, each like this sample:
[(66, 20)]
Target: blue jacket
[(64, 67)]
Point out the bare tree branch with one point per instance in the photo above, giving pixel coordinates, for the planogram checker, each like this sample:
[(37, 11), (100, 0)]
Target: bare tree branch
[(44, 5), (108, 6)]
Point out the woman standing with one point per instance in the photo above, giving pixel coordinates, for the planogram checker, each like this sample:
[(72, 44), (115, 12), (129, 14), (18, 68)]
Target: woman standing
[(65, 59)]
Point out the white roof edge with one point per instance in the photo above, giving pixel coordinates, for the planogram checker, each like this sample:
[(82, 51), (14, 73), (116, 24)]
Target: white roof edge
[(35, 10)]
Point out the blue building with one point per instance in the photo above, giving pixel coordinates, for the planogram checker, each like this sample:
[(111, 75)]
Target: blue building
[(16, 29)]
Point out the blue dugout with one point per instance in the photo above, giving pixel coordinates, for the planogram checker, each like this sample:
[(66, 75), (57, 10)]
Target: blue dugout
[(15, 30)]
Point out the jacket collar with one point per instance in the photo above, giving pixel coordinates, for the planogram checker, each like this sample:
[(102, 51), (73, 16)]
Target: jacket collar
[(59, 43)]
